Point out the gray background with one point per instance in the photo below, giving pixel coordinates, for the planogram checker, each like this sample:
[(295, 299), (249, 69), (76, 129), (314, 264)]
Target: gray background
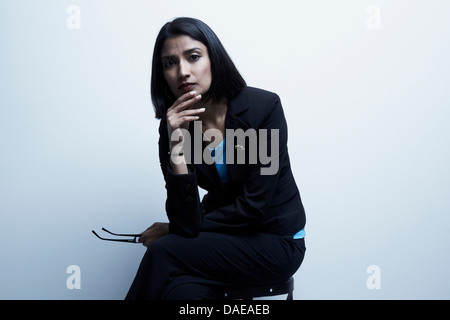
[(368, 115)]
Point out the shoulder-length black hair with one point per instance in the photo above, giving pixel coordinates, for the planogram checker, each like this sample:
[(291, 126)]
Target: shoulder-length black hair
[(226, 81)]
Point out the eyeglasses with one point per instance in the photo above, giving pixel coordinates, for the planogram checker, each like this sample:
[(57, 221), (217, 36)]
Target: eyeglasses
[(134, 240)]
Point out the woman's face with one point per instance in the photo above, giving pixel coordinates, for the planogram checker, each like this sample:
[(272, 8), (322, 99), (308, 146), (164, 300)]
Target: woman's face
[(186, 65)]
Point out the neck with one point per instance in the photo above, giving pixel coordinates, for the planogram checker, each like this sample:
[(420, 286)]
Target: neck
[(214, 112)]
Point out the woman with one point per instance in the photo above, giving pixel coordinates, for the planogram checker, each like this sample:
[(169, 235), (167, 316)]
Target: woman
[(248, 228)]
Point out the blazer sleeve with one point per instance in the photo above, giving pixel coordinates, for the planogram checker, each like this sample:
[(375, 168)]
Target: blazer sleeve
[(183, 206), (249, 208)]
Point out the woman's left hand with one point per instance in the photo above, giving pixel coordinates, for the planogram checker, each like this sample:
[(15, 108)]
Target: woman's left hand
[(154, 232)]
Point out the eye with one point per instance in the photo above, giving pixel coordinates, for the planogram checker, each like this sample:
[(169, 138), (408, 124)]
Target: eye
[(194, 57), (168, 63)]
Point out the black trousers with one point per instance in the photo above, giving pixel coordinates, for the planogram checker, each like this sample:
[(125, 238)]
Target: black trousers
[(178, 268)]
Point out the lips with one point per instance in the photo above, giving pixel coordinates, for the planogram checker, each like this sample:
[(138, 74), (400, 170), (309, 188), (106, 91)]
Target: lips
[(187, 86)]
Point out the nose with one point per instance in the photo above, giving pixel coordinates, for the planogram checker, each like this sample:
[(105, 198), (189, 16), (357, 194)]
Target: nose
[(183, 70)]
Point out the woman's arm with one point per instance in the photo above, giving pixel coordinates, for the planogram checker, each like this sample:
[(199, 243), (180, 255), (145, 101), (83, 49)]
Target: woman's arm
[(183, 206), (182, 203), (178, 117)]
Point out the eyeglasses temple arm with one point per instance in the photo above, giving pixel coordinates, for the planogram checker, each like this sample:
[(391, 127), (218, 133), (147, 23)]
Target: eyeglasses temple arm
[(122, 234), (118, 240)]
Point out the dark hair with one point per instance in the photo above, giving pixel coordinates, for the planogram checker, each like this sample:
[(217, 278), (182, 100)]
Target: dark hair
[(226, 81)]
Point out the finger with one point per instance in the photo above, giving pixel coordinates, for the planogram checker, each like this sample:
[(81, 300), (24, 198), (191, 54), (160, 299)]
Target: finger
[(144, 235), (176, 120), (190, 118), (184, 97), (183, 104), (174, 125), (191, 112), (146, 240), (186, 105)]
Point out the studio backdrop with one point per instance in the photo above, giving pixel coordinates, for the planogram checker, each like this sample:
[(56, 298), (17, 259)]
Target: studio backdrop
[(365, 89)]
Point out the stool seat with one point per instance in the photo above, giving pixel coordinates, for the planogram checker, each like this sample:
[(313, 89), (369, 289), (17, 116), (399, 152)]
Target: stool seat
[(249, 292)]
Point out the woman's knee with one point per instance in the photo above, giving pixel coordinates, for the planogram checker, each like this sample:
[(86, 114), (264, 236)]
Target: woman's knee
[(163, 246)]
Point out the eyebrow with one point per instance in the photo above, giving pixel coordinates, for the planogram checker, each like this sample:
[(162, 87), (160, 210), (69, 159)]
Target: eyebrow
[(184, 53)]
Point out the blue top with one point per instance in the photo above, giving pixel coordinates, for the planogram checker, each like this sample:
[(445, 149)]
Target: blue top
[(219, 156), (300, 235)]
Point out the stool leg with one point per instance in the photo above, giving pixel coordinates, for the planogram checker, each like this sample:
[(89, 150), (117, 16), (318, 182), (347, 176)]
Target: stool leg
[(290, 295)]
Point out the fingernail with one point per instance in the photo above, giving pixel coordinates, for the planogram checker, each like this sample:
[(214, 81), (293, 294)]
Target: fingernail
[(202, 109), (198, 97), (193, 92)]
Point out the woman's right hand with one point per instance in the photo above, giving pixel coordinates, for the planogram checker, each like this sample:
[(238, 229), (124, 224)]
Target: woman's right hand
[(153, 233), (181, 113)]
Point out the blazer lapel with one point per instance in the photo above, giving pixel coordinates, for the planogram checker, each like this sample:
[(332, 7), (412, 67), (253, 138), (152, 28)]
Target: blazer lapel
[(210, 176), (237, 107), (207, 175)]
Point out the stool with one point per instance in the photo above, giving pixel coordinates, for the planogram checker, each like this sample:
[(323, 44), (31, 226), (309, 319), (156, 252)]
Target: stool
[(248, 293)]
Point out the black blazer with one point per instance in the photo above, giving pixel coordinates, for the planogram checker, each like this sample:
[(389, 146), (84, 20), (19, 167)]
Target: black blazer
[(249, 201)]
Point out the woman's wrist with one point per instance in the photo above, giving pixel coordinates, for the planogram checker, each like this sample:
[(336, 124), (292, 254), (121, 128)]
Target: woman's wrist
[(176, 154), (178, 163)]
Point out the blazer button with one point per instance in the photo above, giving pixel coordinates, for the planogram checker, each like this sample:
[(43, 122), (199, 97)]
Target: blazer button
[(189, 199)]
